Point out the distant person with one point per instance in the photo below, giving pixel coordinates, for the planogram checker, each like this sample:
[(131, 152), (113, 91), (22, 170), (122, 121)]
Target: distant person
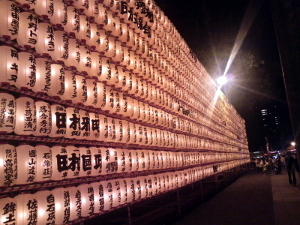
[(277, 166), (265, 167), (291, 166)]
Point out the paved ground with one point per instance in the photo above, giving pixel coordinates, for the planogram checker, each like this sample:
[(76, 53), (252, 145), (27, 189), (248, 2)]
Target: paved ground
[(252, 200)]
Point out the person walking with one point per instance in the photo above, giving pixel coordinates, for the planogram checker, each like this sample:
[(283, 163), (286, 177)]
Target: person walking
[(291, 166)]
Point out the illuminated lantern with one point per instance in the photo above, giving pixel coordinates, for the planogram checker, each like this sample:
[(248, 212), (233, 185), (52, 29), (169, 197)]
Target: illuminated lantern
[(74, 54), (61, 46), (27, 164), (136, 110), (75, 203), (102, 46), (96, 65), (123, 36), (131, 191), (9, 65), (117, 198), (99, 196), (92, 93), (25, 116), (44, 8), (138, 188), (59, 121), (87, 199), (57, 86), (28, 3), (84, 32), (60, 163), (85, 124), (105, 73), (44, 163), (97, 160), (46, 207), (43, 118), (73, 123), (9, 19), (45, 41), (70, 86), (27, 34), (117, 103), (85, 62), (95, 126), (27, 209), (111, 50), (81, 87), (124, 187), (8, 165), (59, 12), (119, 52), (72, 24), (94, 40), (7, 113), (115, 26), (27, 70), (62, 207), (125, 57), (43, 75), (108, 195), (8, 210)]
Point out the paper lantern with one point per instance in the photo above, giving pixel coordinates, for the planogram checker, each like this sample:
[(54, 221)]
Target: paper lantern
[(136, 110), (85, 62), (61, 46), (73, 123), (108, 195), (110, 160), (43, 119), (9, 19), (59, 121), (43, 75), (94, 39), (102, 46), (27, 161), (8, 165), (131, 191), (28, 33), (25, 116), (44, 8), (59, 12), (84, 32), (111, 50), (70, 93), (8, 211), (138, 188), (72, 24), (45, 41), (9, 65), (99, 196), (60, 163), (27, 209), (46, 207), (85, 123), (75, 203), (44, 163), (97, 160), (115, 26), (95, 126), (57, 85), (62, 200), (74, 54), (87, 199), (7, 113), (27, 71), (81, 87), (92, 93), (28, 3), (124, 188)]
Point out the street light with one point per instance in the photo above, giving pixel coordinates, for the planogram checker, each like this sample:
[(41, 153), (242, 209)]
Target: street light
[(293, 143)]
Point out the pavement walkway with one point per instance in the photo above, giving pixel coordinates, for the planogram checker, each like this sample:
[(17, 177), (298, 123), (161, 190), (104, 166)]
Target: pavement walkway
[(253, 199)]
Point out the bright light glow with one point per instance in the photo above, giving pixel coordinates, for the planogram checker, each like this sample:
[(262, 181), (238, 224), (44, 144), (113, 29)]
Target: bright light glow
[(83, 200), (222, 80), (41, 212), (1, 162), (293, 143), (57, 206)]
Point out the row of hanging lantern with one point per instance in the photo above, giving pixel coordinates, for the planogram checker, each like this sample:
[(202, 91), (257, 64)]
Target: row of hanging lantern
[(24, 116), (39, 75), (56, 42), (26, 164), (65, 204)]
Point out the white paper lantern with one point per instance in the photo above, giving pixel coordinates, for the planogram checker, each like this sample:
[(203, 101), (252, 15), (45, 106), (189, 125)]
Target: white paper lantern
[(8, 165), (61, 46), (27, 164), (28, 29), (87, 199), (9, 19), (25, 116), (102, 46), (28, 3), (27, 71), (99, 196), (8, 211), (117, 196), (44, 163), (86, 162), (9, 65), (46, 207), (43, 119), (75, 203), (43, 75), (60, 163), (62, 205), (74, 54), (72, 24), (27, 209), (94, 39), (45, 41), (84, 32), (81, 87), (92, 94), (7, 113), (70, 93), (44, 8), (59, 121), (57, 85), (97, 160), (124, 187), (108, 195), (73, 123), (59, 12), (85, 125)]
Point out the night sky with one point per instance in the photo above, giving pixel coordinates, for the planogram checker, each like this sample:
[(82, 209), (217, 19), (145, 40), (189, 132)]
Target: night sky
[(218, 30)]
